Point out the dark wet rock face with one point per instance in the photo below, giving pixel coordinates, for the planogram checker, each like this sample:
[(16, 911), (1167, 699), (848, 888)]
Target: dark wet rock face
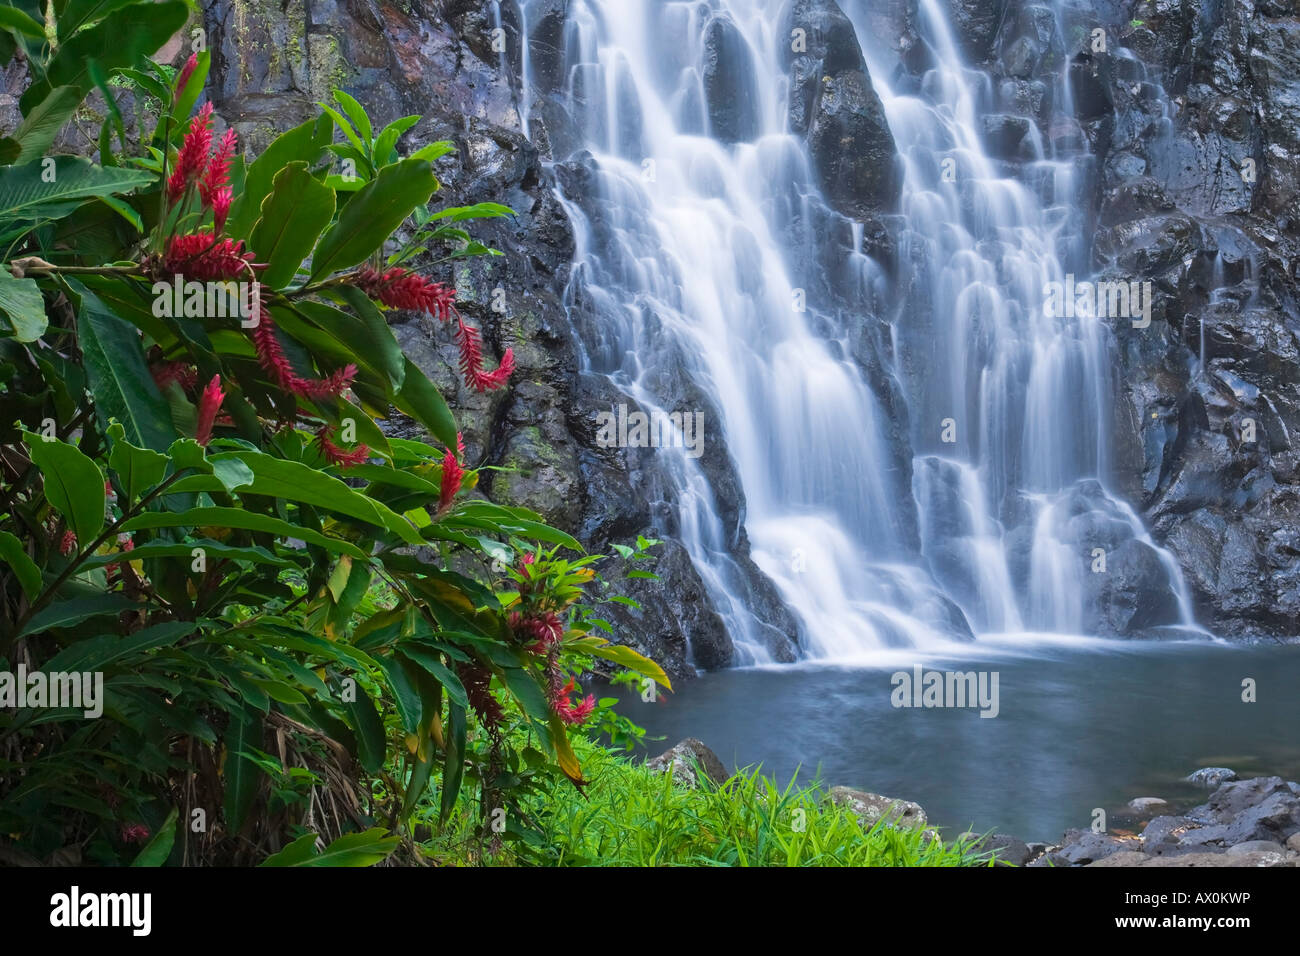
[(1199, 161), (833, 102)]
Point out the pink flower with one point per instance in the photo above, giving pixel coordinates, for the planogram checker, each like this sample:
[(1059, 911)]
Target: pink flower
[(135, 833), (209, 405), (399, 288), (569, 712), (67, 544), (182, 373), (545, 630)]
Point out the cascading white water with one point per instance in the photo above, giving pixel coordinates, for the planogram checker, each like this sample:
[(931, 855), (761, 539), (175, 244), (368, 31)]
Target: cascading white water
[(693, 264)]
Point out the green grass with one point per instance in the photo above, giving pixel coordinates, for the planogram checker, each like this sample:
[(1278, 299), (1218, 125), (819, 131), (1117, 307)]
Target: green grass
[(633, 817)]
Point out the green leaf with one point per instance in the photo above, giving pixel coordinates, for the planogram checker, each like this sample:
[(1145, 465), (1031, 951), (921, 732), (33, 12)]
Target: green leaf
[(356, 114), (280, 478), (453, 768), (423, 402), (243, 735), (238, 518), (20, 23), (353, 849), (119, 376), (23, 306), (185, 549), (39, 128), (373, 214), (369, 731), (483, 210), (97, 653), (74, 485), (387, 140), (293, 215), (404, 693), (76, 610), (137, 469), (24, 568), (305, 143), (364, 337), (136, 31), (76, 14), (157, 850), (429, 660), (52, 189)]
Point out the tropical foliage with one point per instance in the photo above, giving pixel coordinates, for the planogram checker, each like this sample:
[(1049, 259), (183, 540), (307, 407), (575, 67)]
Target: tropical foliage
[(309, 632)]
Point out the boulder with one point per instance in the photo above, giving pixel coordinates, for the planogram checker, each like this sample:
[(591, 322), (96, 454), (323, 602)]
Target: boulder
[(686, 761), (871, 808)]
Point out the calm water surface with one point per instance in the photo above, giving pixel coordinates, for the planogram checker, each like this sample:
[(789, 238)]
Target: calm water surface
[(1082, 724)]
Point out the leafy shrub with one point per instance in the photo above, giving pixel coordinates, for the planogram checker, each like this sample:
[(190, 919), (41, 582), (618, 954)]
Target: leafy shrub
[(303, 625)]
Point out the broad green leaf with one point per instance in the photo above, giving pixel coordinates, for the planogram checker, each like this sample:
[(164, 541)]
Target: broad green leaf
[(244, 734), (373, 214), (97, 653), (483, 210), (74, 485), (24, 568), (364, 338), (387, 140), (75, 610), (78, 13), (135, 31), (19, 22), (355, 113), (23, 307), (453, 768), (240, 519), (39, 128), (353, 849), (157, 850), (39, 190), (280, 478), (306, 143), (423, 402), (405, 695), (137, 469), (429, 660), (119, 376), (185, 549), (293, 215), (369, 730)]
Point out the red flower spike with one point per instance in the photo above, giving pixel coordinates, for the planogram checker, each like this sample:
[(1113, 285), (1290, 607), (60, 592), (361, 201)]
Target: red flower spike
[(193, 155), (186, 376), (471, 359), (209, 405), (276, 364), (478, 688), (68, 543), (545, 631), (217, 176), (221, 208), (186, 72), (203, 256), (399, 288), (336, 455), (452, 475), (135, 833)]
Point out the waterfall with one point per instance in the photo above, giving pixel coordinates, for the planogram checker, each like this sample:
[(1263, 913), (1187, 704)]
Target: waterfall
[(722, 284)]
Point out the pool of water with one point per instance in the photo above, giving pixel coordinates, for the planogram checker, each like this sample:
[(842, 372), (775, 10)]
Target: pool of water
[(1080, 724)]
